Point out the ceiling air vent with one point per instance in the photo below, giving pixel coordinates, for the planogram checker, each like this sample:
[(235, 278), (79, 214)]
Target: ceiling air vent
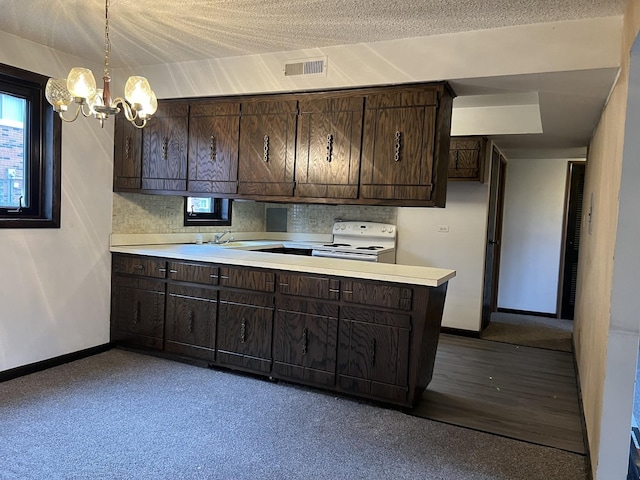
[(308, 66)]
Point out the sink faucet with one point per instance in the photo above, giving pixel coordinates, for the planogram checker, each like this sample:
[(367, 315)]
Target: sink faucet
[(218, 236)]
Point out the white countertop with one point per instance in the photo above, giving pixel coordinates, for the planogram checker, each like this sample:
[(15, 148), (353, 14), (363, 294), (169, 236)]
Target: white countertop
[(236, 253)]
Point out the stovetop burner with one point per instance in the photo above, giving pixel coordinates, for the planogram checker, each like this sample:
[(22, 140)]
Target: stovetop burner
[(372, 247)]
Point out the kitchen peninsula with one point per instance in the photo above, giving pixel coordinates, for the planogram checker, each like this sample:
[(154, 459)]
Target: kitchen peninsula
[(364, 329)]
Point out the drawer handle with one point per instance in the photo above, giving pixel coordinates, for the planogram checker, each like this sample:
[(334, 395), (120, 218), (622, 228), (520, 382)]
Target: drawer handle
[(224, 277), (165, 148), (347, 292), (136, 313), (163, 270), (266, 148), (190, 317), (139, 267), (372, 352), (213, 276), (282, 284), (398, 146), (304, 341), (243, 331), (334, 290), (173, 271), (212, 148)]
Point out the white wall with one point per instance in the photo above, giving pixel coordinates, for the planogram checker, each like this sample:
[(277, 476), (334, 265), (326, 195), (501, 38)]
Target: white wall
[(54, 287), (462, 248), (532, 234)]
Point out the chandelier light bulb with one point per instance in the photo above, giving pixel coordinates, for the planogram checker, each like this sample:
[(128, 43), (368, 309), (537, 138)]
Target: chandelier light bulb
[(81, 83), (57, 94), (137, 91), (149, 107)]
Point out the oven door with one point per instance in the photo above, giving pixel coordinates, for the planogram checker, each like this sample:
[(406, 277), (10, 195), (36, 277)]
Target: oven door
[(367, 257)]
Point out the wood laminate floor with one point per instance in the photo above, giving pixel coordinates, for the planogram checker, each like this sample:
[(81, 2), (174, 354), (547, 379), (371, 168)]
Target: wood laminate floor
[(519, 392)]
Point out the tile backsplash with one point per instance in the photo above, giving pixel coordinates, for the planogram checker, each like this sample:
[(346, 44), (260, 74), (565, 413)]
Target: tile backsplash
[(138, 213)]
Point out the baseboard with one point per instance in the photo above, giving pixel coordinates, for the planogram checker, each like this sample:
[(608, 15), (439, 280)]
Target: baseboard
[(460, 332), (52, 362), (581, 407), (527, 312)]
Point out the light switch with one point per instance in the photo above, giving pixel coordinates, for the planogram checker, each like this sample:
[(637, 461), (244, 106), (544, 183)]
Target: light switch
[(443, 228)]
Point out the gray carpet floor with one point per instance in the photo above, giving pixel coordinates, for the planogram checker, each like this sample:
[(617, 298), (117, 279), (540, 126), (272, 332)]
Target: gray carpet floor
[(530, 331), (129, 416)]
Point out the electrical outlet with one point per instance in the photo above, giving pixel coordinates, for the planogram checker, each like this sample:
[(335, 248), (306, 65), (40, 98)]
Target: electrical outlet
[(443, 228)]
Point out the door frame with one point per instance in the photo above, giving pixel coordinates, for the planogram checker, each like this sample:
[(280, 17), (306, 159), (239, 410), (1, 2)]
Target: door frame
[(494, 236), (565, 226)]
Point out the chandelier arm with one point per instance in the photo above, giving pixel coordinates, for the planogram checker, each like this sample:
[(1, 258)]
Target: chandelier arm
[(144, 122), (75, 117), (82, 110), (129, 113)]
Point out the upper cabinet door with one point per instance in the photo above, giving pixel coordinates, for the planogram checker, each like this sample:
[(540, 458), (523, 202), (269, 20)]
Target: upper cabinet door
[(267, 148), (164, 148), (328, 147), (213, 147), (402, 145), (127, 155)]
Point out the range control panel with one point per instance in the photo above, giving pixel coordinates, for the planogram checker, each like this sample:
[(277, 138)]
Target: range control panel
[(364, 229)]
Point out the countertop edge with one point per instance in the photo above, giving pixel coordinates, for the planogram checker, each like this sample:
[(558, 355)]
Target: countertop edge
[(406, 274)]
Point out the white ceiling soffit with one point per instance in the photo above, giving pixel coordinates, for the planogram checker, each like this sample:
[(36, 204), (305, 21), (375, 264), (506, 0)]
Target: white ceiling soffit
[(507, 114)]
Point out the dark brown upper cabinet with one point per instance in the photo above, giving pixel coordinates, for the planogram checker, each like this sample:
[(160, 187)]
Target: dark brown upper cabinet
[(467, 158), (405, 145), (127, 155), (267, 147), (213, 147), (328, 146), (164, 148)]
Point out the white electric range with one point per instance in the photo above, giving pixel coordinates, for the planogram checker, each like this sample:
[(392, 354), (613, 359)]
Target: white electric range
[(367, 241)]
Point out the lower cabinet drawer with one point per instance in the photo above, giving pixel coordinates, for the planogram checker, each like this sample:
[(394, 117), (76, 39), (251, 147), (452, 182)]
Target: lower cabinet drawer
[(140, 266)]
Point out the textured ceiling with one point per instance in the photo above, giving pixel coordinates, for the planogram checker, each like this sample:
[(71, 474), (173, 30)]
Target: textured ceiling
[(163, 31)]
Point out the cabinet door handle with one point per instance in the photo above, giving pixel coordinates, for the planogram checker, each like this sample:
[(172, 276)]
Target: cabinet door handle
[(212, 148), (266, 148), (243, 330), (398, 146), (165, 148), (136, 312), (138, 267), (190, 317), (329, 148), (372, 352), (127, 148), (304, 341)]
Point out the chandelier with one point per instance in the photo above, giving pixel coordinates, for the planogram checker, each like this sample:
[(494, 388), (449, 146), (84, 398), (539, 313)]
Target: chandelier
[(80, 88)]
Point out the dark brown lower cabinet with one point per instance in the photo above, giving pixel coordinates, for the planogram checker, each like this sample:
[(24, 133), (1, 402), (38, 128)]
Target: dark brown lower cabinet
[(366, 338), (245, 326), (305, 336), (190, 327), (137, 312), (373, 353)]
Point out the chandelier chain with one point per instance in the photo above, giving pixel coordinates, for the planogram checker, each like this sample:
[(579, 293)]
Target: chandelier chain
[(107, 40)]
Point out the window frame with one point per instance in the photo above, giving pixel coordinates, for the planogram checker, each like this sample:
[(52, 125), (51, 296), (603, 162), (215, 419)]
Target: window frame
[(216, 219), (43, 149)]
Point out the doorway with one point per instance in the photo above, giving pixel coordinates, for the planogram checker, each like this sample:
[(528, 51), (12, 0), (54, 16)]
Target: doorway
[(571, 240), (494, 236)]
